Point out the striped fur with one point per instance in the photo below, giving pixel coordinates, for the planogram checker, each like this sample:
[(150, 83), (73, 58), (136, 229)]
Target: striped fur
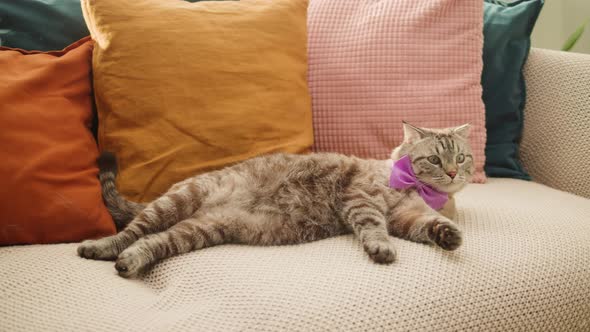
[(285, 199)]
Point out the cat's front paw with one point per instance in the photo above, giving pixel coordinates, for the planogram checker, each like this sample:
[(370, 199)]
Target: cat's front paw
[(445, 234), (381, 251), (131, 263), (102, 249)]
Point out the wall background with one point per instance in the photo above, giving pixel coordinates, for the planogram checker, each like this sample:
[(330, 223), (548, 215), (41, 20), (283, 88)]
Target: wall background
[(558, 19)]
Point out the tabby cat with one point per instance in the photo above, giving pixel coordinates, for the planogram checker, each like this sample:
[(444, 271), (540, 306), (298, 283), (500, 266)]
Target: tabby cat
[(285, 199)]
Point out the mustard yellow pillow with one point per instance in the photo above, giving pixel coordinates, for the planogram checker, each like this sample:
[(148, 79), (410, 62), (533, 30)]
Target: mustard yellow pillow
[(183, 88)]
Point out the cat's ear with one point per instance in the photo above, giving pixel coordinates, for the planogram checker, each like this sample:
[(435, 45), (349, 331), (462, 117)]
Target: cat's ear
[(463, 130), (413, 133)]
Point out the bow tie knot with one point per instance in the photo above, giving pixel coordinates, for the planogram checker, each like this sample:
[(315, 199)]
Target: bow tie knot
[(403, 177)]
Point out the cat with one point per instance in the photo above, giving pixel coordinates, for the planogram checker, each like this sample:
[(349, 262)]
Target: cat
[(282, 199)]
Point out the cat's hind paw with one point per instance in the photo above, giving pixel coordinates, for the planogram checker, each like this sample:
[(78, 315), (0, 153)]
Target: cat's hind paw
[(131, 263), (102, 249), (381, 251)]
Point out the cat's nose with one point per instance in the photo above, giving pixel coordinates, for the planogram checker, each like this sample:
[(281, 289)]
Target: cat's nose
[(452, 174)]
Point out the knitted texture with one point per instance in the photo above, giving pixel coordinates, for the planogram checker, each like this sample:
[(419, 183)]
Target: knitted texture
[(555, 147), (373, 64), (523, 267)]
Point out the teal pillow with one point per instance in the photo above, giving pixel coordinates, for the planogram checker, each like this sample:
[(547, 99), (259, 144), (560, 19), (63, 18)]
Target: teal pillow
[(507, 31), (40, 24)]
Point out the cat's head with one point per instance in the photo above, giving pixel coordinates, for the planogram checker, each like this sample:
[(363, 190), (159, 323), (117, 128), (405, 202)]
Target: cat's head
[(441, 158)]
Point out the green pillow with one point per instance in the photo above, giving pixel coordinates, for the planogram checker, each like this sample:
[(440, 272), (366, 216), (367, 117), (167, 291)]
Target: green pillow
[(40, 24), (507, 31)]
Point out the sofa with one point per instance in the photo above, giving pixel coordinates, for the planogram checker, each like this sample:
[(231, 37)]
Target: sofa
[(524, 264)]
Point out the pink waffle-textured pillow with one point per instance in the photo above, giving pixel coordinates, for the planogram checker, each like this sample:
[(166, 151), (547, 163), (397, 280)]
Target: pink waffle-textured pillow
[(375, 63)]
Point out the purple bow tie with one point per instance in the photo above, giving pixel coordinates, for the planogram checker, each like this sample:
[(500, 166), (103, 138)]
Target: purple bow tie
[(403, 177)]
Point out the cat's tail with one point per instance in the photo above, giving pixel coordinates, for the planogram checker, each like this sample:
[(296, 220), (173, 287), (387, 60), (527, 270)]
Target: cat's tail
[(121, 209)]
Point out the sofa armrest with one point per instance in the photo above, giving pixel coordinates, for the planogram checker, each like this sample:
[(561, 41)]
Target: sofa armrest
[(555, 146)]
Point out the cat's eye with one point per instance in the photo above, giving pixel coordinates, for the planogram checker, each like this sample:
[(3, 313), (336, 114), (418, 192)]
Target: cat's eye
[(434, 160), (460, 158)]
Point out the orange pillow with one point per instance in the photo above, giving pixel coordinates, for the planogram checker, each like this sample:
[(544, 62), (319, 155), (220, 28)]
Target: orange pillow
[(50, 191), (183, 88)]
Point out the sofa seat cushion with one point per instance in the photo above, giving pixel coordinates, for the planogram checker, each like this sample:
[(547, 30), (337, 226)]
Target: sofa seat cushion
[(524, 266)]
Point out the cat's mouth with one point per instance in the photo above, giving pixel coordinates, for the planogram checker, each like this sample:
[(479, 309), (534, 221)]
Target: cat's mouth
[(445, 183), (453, 185), (448, 185)]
